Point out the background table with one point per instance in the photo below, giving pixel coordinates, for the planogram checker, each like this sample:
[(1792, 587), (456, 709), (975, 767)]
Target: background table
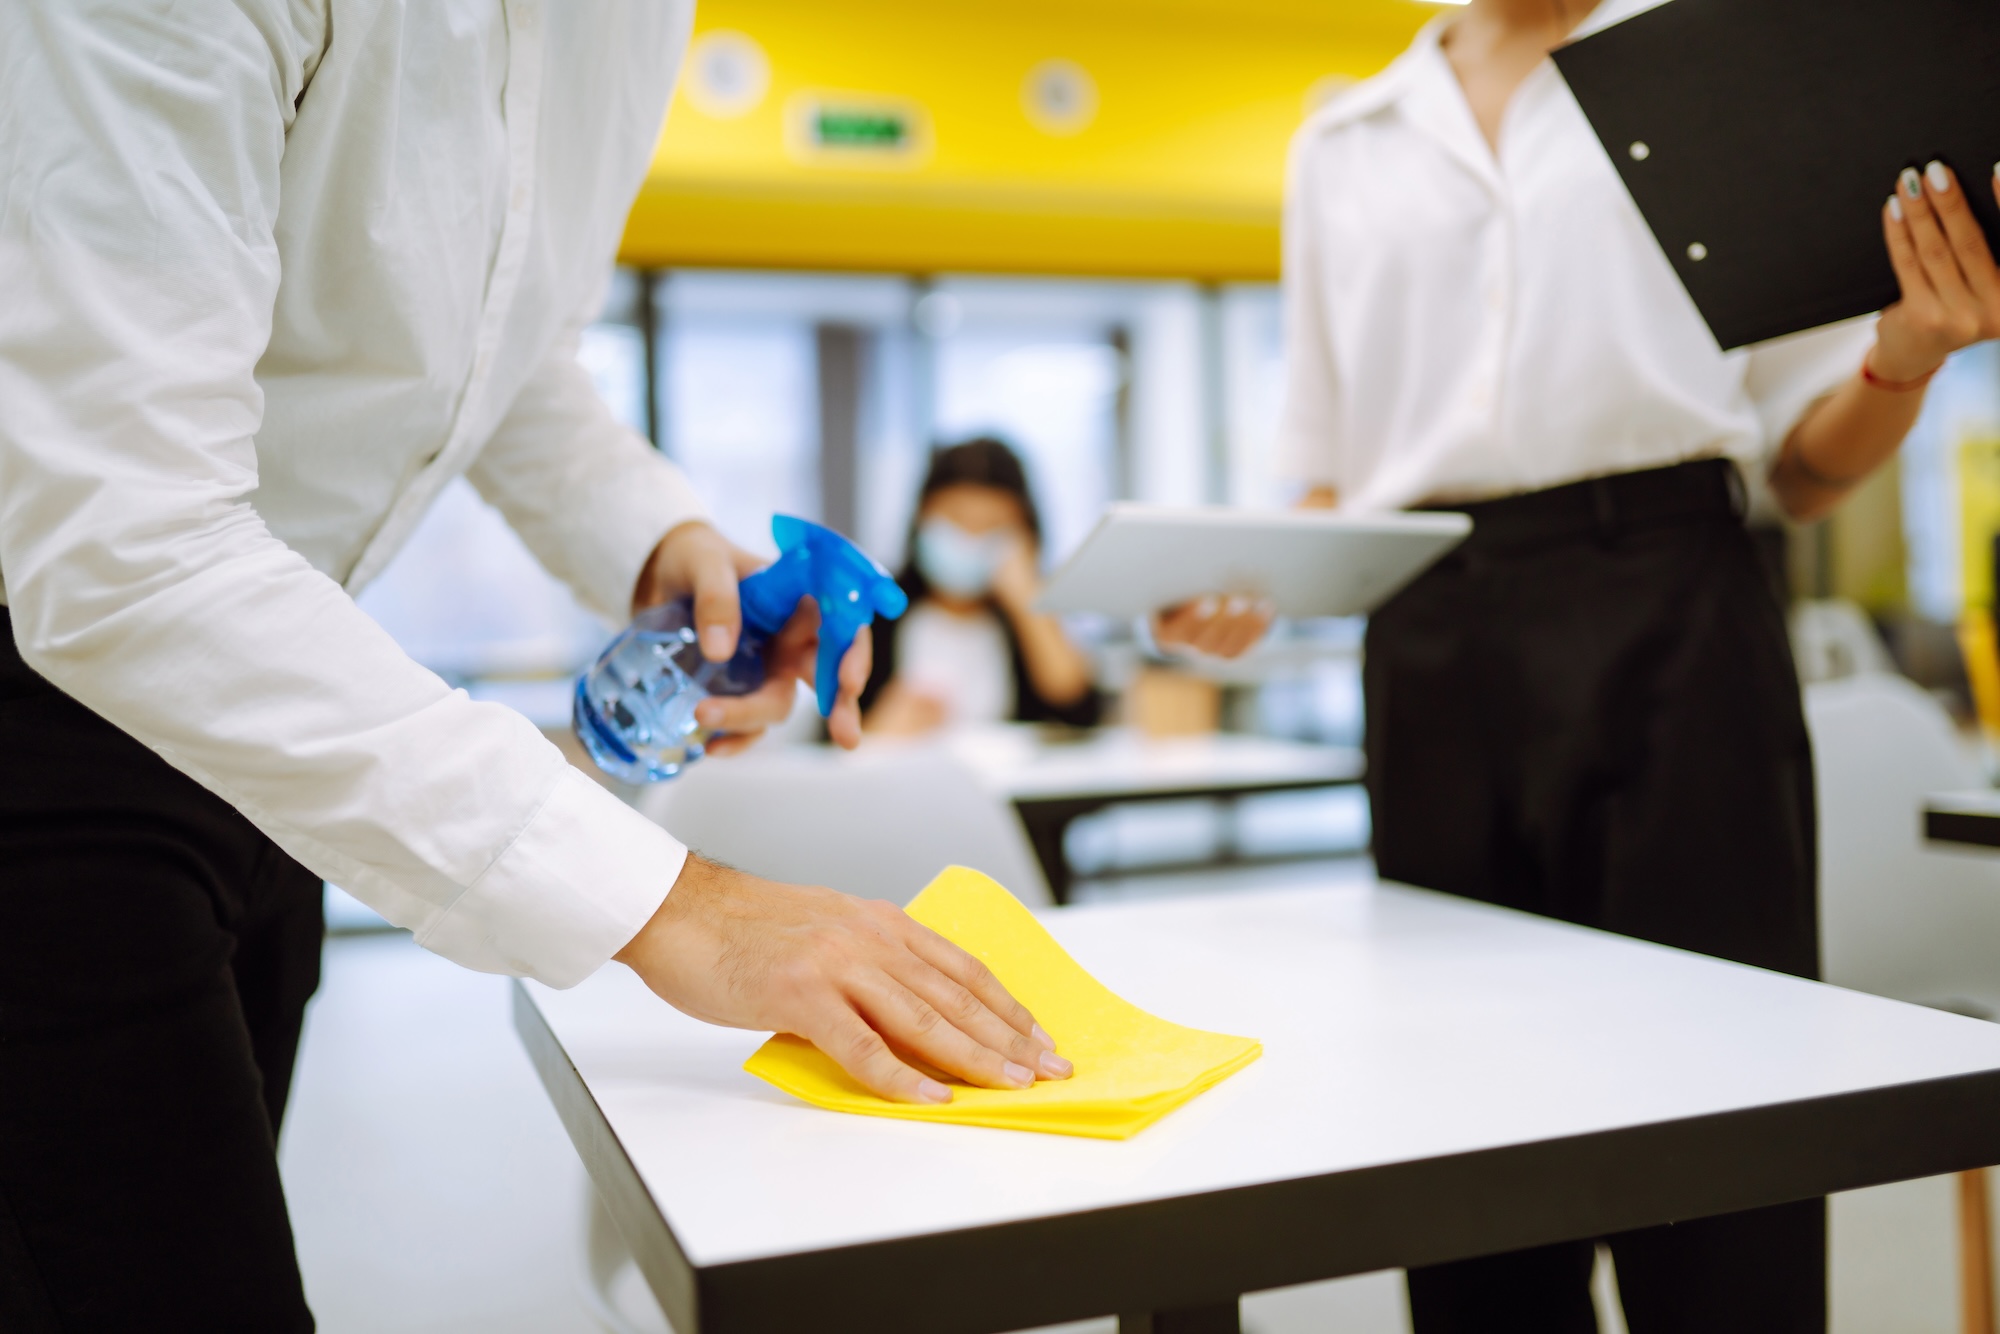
[(1440, 1080), (1052, 780)]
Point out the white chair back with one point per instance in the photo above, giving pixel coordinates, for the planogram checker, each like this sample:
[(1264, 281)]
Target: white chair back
[(879, 823), (1898, 917)]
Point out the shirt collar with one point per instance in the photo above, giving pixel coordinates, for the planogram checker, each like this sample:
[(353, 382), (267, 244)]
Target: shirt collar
[(1609, 12), (1386, 88), (1405, 74), (1421, 84)]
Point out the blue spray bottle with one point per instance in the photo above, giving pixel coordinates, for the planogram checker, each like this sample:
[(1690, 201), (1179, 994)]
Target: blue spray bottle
[(635, 707)]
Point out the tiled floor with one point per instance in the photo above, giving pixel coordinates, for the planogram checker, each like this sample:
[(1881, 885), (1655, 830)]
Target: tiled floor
[(434, 1192)]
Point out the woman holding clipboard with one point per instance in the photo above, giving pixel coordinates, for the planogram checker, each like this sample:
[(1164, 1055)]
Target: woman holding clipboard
[(1589, 710)]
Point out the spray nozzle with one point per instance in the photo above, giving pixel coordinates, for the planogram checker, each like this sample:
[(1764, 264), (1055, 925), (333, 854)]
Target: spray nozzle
[(850, 588)]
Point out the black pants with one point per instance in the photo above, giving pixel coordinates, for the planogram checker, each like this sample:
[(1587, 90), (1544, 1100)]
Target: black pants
[(1590, 711), (156, 955)]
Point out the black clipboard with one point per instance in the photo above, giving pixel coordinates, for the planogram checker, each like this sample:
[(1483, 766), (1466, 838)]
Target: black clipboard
[(1760, 139)]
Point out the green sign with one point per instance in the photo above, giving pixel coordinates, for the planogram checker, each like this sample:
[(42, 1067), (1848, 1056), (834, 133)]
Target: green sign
[(875, 128)]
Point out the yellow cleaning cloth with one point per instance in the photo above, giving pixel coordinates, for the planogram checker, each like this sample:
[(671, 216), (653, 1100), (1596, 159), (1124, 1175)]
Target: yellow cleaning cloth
[(1131, 1068)]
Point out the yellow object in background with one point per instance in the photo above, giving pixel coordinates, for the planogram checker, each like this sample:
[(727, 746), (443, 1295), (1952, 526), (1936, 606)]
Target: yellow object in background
[(1131, 1067), (1979, 513), (1979, 521), (1981, 650)]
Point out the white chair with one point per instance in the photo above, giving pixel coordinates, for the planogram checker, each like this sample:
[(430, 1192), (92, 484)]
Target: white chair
[(1833, 638), (1898, 917), (879, 823)]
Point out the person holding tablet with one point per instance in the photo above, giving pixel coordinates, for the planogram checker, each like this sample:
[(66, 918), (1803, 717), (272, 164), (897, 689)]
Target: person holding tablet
[(1589, 710)]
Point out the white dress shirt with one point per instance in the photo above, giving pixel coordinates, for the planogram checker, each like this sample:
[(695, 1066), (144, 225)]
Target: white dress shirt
[(275, 271), (1462, 324)]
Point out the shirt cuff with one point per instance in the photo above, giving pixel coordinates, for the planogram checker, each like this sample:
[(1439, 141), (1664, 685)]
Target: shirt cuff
[(571, 890)]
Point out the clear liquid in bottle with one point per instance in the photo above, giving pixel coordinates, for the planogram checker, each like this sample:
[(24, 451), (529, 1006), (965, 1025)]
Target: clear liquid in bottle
[(635, 708)]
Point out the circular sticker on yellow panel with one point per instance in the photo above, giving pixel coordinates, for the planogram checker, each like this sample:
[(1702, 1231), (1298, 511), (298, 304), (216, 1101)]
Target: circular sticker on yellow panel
[(1060, 97), (728, 74)]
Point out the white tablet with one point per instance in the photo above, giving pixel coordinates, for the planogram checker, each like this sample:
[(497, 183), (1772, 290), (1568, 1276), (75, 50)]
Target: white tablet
[(1141, 558)]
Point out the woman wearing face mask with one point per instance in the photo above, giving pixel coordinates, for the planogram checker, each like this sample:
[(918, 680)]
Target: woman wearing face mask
[(971, 649)]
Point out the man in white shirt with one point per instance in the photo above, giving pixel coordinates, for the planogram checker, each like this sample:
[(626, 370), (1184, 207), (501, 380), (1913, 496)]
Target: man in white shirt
[(275, 272), (1590, 709)]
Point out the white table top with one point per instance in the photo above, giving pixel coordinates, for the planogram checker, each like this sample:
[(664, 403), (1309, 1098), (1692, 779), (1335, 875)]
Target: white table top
[(1019, 764), (1399, 1027)]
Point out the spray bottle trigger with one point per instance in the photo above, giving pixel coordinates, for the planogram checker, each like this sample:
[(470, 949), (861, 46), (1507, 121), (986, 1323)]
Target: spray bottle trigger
[(844, 611), (850, 589)]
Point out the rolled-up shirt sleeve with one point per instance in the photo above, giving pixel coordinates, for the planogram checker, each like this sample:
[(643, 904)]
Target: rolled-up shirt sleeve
[(1308, 446), (1786, 376), (139, 266), (590, 497)]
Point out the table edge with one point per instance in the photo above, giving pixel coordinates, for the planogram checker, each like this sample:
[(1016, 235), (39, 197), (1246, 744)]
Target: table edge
[(668, 1271), (1064, 796), (1969, 828), (1194, 1250)]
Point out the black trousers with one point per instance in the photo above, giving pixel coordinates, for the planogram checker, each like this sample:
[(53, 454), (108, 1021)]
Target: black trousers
[(1590, 711), (156, 955)]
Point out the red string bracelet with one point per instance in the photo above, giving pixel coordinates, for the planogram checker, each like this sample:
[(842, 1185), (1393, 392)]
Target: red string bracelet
[(1895, 386)]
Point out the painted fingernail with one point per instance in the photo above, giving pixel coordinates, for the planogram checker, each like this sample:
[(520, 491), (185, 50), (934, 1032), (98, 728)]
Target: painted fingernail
[(715, 643), (1055, 1067), (1996, 171), (932, 1091), (1020, 1076), (1913, 184), (1938, 177), (1041, 1035), (1895, 208)]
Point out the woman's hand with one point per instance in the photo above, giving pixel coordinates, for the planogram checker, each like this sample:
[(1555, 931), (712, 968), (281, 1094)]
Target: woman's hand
[(904, 711), (1950, 299), (1950, 285), (695, 559), (1225, 626), (1015, 582)]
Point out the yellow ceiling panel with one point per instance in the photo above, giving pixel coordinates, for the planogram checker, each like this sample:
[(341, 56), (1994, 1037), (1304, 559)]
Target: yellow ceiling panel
[(1095, 136)]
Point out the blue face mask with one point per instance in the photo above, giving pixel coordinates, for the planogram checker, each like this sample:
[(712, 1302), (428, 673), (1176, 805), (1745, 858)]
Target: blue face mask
[(957, 563)]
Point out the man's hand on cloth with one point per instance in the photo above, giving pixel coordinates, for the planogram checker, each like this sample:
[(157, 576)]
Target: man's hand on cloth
[(855, 977)]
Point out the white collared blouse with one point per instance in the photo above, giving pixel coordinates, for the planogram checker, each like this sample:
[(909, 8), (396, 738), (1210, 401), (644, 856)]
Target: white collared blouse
[(271, 273), (1462, 324)]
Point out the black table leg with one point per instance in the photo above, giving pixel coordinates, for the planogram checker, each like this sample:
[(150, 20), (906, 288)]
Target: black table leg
[(1222, 1319), (1046, 822)]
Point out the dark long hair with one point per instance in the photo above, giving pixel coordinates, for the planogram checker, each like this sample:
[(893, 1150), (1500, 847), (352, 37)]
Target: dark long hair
[(981, 461)]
